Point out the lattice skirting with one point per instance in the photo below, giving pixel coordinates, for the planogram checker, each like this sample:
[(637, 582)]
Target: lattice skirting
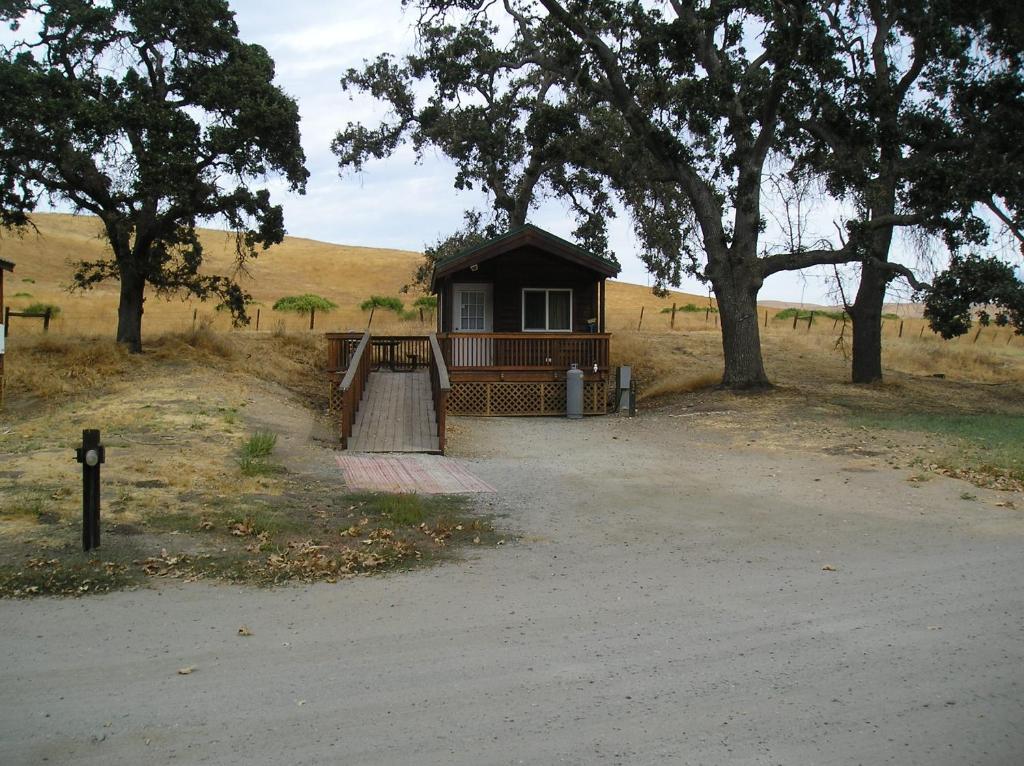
[(523, 398)]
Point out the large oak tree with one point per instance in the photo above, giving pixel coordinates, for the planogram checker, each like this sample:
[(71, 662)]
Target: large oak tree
[(508, 127), (917, 122), (154, 116)]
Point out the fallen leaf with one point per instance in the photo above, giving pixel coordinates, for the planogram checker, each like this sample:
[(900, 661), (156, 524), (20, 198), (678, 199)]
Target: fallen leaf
[(185, 671), (476, 540), (244, 631), (828, 568)]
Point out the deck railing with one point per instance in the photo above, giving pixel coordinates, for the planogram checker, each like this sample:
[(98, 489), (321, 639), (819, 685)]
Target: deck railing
[(524, 350), (400, 352), (340, 346), (395, 352), (352, 386), (440, 386)]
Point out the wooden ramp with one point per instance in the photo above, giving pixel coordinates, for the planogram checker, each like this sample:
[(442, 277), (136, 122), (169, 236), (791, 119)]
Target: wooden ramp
[(396, 415)]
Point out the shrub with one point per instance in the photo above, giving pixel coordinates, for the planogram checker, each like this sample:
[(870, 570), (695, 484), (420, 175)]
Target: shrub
[(383, 302), (806, 313), (23, 295), (427, 302), (40, 308), (690, 308), (304, 304)]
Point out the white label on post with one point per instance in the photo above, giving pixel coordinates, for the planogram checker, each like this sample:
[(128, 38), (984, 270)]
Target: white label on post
[(1, 338)]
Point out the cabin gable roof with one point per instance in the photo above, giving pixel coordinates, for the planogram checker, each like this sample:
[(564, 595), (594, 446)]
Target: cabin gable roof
[(6, 265), (527, 235)]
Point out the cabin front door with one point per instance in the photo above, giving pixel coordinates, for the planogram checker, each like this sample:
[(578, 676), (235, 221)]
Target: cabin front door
[(473, 312)]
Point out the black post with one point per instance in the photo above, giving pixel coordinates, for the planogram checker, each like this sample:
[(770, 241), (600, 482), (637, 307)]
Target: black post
[(91, 455), (46, 319), (257, 320)]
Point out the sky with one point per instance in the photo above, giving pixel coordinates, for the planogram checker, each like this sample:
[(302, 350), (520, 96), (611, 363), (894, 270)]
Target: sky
[(396, 202), (401, 202)]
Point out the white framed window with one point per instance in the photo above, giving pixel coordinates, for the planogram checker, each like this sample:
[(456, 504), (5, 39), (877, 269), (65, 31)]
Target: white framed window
[(472, 309), (547, 309)]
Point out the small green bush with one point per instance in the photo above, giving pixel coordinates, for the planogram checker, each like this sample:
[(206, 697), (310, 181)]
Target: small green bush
[(23, 295), (383, 302), (40, 308), (304, 304), (260, 444), (689, 308), (253, 460), (427, 303), (806, 313), (29, 280)]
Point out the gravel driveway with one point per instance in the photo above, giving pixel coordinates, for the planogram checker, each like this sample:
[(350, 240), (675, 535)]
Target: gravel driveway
[(672, 597)]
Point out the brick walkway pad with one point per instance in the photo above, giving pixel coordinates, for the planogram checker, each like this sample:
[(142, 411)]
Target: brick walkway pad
[(420, 474)]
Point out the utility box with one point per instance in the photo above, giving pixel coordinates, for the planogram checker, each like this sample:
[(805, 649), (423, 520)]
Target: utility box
[(574, 393), (624, 390)]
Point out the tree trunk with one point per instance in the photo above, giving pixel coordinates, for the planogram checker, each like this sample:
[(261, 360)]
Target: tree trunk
[(866, 315), (129, 311), (741, 337)]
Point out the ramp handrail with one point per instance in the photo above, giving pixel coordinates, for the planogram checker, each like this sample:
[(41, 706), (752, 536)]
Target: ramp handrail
[(352, 387), (440, 386)]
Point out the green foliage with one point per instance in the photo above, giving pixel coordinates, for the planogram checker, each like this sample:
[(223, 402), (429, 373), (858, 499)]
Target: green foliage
[(40, 308), (970, 287), (254, 459), (806, 314), (507, 128), (690, 308), (152, 115), (260, 444), (303, 304), (426, 302), (29, 281), (23, 295), (385, 302)]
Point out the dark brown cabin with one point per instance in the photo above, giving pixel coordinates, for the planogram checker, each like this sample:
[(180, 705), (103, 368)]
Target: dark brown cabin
[(514, 314)]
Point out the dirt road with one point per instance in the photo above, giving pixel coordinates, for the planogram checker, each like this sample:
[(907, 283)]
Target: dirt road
[(673, 597)]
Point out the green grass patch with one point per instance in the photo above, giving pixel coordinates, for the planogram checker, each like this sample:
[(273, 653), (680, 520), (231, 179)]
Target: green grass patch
[(992, 444), (255, 455)]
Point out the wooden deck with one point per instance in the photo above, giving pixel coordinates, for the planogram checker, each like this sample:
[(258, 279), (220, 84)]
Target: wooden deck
[(397, 414)]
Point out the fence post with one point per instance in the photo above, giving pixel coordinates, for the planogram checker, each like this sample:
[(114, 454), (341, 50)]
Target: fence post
[(257, 320), (766, 318), (796, 316), (978, 334), (810, 321), (640, 323), (312, 317), (46, 319), (901, 329), (7, 321), (921, 334), (672, 324), (195, 313)]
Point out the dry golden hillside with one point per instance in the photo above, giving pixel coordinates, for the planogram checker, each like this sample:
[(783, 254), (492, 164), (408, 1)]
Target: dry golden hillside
[(346, 275), (672, 355)]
